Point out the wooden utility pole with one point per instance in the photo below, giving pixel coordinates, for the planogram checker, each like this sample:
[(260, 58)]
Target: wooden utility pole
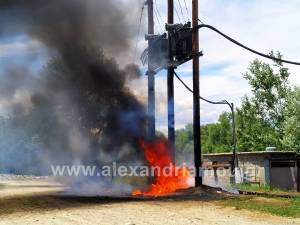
[(171, 114), (151, 75), (196, 106)]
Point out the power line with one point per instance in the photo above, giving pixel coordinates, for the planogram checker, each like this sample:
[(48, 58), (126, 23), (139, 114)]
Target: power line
[(158, 12), (244, 46), (231, 106), (177, 14), (158, 21), (223, 102), (180, 8), (204, 99), (187, 10), (200, 21), (139, 30), (184, 84)]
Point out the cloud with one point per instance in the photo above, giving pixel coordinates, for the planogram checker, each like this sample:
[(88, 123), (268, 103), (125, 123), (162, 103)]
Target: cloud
[(17, 47)]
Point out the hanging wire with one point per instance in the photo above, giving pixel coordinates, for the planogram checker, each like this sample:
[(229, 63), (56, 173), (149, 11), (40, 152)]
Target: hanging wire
[(158, 21), (176, 11), (187, 10), (235, 161), (158, 13), (204, 99), (200, 21), (139, 31), (181, 10), (244, 46)]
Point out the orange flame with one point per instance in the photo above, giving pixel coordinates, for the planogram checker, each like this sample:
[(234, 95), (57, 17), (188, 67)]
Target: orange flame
[(168, 177)]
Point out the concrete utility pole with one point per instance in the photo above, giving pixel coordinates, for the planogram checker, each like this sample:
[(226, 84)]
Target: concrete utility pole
[(151, 74), (196, 94), (171, 114)]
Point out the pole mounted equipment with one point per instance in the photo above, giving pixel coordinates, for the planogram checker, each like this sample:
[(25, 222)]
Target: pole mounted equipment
[(182, 46), (180, 42)]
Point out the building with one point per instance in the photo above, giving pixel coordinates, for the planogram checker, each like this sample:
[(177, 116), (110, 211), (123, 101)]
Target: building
[(274, 168)]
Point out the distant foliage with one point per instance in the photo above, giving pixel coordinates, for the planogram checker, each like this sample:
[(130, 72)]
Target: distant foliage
[(291, 124), (184, 143), (270, 117), (217, 137)]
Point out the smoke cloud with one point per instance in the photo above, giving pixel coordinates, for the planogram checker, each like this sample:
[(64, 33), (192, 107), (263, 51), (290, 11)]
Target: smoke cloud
[(80, 108)]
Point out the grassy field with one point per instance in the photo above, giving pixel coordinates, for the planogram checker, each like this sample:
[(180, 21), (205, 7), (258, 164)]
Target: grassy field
[(265, 189), (276, 206), (288, 207)]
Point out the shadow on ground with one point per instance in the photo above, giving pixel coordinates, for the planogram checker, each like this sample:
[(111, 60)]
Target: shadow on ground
[(58, 201)]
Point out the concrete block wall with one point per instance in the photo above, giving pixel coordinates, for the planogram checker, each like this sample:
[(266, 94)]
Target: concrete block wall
[(251, 169)]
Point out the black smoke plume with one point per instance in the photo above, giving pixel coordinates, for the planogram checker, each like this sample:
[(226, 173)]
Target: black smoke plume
[(81, 108)]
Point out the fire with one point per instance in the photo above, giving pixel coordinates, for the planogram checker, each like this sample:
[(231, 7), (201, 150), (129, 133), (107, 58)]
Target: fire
[(168, 177)]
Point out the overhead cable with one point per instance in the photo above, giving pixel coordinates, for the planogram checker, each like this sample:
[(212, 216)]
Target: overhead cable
[(244, 46)]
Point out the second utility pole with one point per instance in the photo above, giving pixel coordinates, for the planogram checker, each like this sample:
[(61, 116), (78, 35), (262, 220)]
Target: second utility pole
[(171, 116), (196, 80), (151, 74)]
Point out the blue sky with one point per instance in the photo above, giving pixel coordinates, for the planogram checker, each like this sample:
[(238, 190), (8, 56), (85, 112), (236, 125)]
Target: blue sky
[(261, 24)]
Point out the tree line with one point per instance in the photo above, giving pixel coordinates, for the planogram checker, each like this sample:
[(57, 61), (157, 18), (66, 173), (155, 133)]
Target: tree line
[(268, 117)]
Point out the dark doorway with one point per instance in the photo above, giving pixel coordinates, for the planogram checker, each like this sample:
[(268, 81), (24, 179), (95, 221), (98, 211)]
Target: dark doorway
[(283, 175)]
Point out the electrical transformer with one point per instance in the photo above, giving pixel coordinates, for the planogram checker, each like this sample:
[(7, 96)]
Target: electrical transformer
[(181, 36), (158, 50)]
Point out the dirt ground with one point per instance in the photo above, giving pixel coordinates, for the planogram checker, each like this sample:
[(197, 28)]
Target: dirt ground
[(36, 201)]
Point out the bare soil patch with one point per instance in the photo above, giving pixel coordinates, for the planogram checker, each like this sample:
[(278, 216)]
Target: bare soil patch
[(39, 201)]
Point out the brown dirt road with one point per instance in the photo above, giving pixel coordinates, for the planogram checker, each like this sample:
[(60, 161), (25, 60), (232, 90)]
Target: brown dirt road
[(35, 202)]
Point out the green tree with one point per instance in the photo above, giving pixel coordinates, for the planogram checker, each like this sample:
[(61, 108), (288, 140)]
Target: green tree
[(214, 138), (184, 143), (261, 117), (270, 87), (217, 137), (253, 133), (291, 125)]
